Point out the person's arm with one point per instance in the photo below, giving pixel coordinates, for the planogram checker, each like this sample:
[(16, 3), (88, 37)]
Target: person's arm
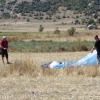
[(2, 47), (93, 49)]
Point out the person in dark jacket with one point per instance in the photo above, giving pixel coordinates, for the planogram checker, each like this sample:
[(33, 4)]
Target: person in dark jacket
[(97, 47), (4, 49)]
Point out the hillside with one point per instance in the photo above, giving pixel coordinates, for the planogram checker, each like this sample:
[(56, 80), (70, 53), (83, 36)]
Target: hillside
[(50, 10)]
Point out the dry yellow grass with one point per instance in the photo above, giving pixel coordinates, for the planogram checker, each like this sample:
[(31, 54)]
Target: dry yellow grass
[(25, 79), (50, 88), (11, 26)]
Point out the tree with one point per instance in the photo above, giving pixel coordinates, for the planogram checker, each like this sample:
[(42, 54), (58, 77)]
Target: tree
[(41, 28), (91, 21), (28, 20), (6, 15), (77, 22), (83, 21), (98, 20), (71, 31), (95, 16)]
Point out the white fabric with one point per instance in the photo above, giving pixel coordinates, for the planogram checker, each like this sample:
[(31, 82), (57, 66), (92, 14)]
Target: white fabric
[(54, 63), (89, 60)]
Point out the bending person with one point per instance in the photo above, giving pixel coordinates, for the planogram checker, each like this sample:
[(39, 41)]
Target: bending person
[(97, 47)]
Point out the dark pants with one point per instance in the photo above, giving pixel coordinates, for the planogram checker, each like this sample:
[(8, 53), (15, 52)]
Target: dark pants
[(4, 53)]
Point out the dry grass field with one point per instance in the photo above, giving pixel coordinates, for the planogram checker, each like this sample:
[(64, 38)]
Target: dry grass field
[(18, 26), (25, 79)]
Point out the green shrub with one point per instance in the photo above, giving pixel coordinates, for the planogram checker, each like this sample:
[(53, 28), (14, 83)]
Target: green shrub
[(41, 28), (28, 20), (57, 31), (71, 31)]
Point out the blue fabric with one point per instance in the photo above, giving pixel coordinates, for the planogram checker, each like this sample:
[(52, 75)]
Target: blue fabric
[(89, 60), (45, 65)]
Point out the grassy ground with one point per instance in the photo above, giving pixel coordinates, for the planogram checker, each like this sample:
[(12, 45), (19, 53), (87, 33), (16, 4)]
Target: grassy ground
[(12, 26), (25, 79), (50, 88)]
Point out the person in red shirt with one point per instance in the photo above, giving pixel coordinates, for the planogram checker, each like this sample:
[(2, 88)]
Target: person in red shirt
[(4, 49)]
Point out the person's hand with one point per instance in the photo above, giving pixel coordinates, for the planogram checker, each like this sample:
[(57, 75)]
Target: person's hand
[(91, 51), (5, 48)]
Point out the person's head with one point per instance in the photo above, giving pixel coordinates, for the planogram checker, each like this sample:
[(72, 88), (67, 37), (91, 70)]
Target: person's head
[(4, 38), (96, 37)]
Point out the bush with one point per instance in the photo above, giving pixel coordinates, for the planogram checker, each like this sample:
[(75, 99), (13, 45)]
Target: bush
[(83, 20), (95, 16), (77, 22), (71, 31), (98, 20), (79, 47), (41, 28), (6, 15), (28, 20), (91, 21), (57, 31)]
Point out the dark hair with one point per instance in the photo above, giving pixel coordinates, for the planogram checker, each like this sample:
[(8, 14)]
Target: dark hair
[(96, 36)]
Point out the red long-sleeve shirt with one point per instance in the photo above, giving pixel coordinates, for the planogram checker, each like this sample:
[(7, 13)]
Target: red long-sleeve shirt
[(4, 44)]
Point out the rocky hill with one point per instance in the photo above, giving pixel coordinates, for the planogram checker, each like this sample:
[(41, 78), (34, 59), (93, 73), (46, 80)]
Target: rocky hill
[(50, 10)]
